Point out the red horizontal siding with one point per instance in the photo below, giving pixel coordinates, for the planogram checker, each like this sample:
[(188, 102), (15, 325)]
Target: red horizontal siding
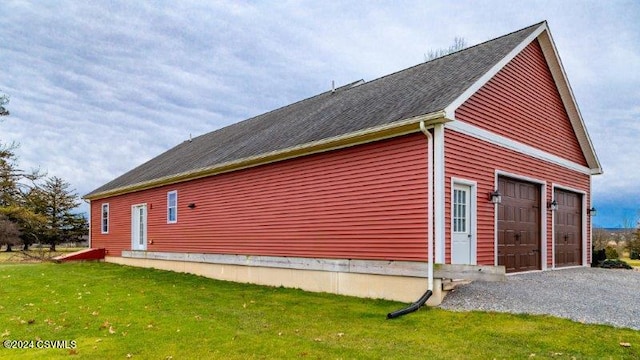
[(477, 160), (522, 102), (364, 202)]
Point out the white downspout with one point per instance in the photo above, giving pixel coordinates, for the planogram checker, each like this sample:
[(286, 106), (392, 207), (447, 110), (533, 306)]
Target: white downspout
[(423, 299), (429, 204)]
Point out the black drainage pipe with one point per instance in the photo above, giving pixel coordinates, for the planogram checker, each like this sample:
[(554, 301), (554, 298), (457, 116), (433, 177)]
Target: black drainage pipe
[(411, 308)]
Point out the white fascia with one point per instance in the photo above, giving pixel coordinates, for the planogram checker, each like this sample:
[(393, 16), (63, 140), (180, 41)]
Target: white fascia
[(451, 109)]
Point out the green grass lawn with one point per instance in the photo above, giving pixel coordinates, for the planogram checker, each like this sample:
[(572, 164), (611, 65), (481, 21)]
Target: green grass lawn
[(634, 263), (118, 312)]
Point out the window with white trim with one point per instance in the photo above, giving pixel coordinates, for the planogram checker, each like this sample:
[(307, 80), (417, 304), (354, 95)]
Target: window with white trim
[(104, 218), (172, 207)]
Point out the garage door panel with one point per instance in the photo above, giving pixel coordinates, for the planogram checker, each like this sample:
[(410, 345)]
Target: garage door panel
[(568, 228), (519, 225)]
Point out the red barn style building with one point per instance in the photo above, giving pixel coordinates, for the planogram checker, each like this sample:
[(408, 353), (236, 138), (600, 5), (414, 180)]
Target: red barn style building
[(483, 152)]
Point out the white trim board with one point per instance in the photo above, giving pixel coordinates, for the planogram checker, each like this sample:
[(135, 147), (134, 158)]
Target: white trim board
[(439, 192), (505, 142)]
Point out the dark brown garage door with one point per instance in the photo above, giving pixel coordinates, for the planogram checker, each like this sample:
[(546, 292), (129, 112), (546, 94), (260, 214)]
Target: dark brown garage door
[(568, 228), (518, 225)]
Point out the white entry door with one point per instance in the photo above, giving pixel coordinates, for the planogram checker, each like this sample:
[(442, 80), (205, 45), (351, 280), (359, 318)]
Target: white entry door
[(139, 227), (461, 236)]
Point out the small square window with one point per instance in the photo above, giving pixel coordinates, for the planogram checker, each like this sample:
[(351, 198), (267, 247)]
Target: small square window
[(172, 207)]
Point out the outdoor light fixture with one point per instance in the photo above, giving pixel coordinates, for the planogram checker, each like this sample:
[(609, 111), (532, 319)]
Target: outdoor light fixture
[(592, 211), (553, 205), (495, 197), (191, 206)]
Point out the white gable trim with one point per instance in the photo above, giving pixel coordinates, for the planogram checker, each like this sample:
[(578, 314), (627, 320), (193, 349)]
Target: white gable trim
[(451, 109), (562, 84), (511, 144), (566, 94)]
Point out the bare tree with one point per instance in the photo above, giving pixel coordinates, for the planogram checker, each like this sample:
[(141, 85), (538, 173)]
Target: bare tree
[(600, 238), (458, 44), (4, 99)]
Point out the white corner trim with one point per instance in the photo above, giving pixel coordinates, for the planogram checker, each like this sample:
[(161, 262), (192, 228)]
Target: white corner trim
[(439, 192), (451, 109), (89, 220), (503, 141)]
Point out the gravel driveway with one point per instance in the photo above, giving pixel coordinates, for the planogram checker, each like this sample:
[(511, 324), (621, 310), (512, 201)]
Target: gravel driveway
[(588, 295)]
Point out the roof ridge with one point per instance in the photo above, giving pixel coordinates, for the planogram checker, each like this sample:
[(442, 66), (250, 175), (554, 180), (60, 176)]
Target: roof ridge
[(423, 88), (373, 81), (486, 41), (456, 52), (351, 85)]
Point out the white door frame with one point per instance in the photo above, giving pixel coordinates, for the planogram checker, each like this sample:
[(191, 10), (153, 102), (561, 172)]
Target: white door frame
[(139, 228), (473, 216)]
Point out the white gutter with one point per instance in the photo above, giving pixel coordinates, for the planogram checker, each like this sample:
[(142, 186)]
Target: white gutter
[(429, 204)]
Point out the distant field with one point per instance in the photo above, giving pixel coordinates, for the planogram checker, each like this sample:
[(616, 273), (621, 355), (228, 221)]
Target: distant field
[(106, 311), (634, 263)]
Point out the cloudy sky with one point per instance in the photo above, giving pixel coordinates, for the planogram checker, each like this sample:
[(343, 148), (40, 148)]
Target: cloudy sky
[(99, 87)]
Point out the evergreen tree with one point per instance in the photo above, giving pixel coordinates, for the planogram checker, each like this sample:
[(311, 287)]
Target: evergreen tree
[(54, 200), (32, 212), (15, 184), (8, 175), (9, 233)]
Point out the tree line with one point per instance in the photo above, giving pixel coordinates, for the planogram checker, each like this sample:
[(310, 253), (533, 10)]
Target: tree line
[(34, 208)]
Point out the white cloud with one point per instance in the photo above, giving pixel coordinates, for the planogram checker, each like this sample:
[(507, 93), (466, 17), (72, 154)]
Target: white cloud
[(99, 87)]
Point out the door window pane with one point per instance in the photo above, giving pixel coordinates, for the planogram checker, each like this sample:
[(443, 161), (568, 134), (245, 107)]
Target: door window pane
[(459, 210)]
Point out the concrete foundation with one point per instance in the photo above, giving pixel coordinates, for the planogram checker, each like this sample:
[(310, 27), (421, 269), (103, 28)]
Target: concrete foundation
[(403, 281), (377, 286)]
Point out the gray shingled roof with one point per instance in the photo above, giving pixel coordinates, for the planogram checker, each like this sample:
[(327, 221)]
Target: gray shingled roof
[(422, 89)]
